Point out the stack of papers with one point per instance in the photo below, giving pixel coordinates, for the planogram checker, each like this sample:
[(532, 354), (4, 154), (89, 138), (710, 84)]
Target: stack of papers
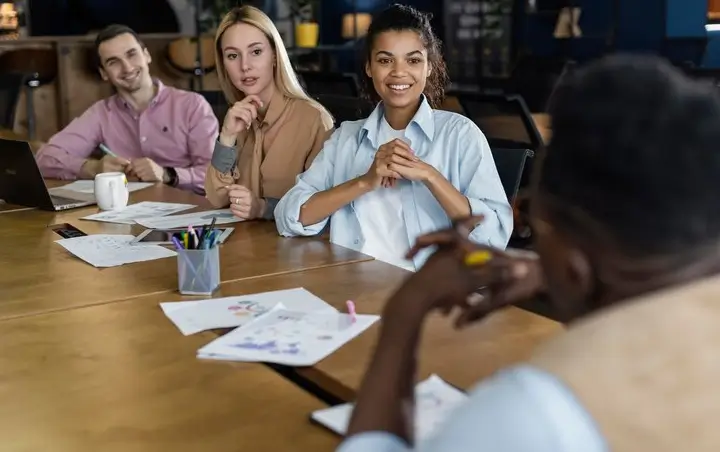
[(287, 337), (105, 250), (434, 401), (135, 212), (223, 216), (88, 186), (194, 316)]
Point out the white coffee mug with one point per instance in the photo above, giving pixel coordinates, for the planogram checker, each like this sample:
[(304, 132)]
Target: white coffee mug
[(111, 191)]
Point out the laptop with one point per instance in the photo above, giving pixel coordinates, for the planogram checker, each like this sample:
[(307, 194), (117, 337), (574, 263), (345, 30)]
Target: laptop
[(22, 183)]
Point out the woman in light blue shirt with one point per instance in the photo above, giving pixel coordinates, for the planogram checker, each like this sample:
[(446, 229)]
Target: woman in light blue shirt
[(405, 170)]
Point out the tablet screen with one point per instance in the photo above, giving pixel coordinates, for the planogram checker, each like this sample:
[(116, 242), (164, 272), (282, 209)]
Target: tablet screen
[(159, 235)]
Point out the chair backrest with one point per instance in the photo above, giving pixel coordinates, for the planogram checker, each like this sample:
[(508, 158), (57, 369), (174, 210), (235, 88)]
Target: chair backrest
[(11, 85), (217, 101), (510, 164), (336, 83), (345, 108), (503, 118)]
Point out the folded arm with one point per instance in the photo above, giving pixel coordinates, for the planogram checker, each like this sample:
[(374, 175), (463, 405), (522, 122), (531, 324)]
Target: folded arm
[(305, 208), (481, 185)]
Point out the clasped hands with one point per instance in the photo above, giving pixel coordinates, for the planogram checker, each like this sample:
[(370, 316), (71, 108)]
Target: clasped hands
[(396, 160)]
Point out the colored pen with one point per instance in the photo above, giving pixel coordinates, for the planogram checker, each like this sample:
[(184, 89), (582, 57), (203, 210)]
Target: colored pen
[(208, 232), (176, 242), (351, 310), (107, 150), (214, 237), (477, 258)]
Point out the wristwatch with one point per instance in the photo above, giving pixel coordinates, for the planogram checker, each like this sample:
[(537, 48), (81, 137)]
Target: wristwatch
[(172, 175)]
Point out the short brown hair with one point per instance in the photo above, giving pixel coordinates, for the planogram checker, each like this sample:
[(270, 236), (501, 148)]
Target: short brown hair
[(111, 32)]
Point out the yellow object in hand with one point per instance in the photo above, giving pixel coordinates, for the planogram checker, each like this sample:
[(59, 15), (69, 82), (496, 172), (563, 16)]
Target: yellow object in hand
[(477, 258)]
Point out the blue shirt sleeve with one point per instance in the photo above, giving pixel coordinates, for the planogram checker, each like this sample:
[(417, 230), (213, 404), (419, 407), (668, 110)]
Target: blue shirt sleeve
[(522, 409), (317, 178), (482, 186)]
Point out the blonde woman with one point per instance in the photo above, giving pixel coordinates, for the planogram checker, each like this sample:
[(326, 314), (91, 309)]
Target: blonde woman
[(272, 130)]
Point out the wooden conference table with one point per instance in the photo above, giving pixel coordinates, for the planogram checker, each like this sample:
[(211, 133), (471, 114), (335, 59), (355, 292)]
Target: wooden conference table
[(91, 362), (40, 267)]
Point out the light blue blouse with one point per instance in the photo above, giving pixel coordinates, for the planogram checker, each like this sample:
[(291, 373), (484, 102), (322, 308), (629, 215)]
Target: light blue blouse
[(450, 142)]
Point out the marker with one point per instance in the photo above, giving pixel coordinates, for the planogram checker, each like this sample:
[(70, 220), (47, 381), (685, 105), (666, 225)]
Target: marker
[(193, 238), (107, 150), (477, 258), (351, 310)]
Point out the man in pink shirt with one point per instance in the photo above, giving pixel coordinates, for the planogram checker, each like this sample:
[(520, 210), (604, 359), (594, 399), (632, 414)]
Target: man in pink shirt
[(154, 133)]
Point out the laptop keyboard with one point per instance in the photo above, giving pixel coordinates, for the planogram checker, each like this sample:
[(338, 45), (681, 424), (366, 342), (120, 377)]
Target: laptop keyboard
[(60, 201)]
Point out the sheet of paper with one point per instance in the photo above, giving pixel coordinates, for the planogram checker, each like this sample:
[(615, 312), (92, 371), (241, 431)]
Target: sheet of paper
[(224, 216), (194, 316), (88, 186), (106, 250), (288, 337), (136, 212), (434, 401)]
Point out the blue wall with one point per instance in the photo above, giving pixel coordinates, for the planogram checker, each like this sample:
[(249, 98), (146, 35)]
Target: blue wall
[(675, 28)]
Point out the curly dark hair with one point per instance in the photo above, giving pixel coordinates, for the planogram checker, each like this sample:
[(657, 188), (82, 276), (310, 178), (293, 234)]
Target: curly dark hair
[(406, 18), (636, 148)]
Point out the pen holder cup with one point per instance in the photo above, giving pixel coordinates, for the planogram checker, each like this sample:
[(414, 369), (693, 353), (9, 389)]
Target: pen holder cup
[(198, 271)]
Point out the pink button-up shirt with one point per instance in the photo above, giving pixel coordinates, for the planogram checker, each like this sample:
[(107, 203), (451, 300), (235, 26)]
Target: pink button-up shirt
[(178, 130)]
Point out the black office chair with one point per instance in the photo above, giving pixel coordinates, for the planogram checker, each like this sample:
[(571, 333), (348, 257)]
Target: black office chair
[(336, 83), (217, 101), (11, 84), (510, 164), (345, 108), (503, 118)]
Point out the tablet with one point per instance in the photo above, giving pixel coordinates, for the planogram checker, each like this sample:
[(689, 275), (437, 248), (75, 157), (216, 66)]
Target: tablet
[(164, 236)]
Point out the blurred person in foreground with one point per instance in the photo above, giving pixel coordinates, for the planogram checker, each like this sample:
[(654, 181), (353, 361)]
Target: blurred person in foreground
[(624, 206)]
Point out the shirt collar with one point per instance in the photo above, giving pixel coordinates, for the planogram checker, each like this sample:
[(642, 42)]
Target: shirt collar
[(159, 95), (275, 109), (423, 118)]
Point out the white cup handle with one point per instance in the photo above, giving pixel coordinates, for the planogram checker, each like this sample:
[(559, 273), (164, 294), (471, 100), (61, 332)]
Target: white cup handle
[(112, 185)]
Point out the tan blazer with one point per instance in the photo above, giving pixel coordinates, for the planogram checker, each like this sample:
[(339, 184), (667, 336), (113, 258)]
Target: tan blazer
[(648, 371)]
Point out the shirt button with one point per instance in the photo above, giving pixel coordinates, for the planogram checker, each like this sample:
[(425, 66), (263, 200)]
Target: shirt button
[(143, 139), (356, 241)]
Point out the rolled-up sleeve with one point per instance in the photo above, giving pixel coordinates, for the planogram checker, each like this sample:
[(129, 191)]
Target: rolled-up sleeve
[(219, 175), (66, 152), (482, 186), (373, 442), (319, 177)]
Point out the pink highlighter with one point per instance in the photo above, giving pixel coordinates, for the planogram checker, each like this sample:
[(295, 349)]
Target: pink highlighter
[(351, 310)]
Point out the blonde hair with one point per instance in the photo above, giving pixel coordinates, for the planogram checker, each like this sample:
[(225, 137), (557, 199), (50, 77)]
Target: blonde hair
[(286, 80)]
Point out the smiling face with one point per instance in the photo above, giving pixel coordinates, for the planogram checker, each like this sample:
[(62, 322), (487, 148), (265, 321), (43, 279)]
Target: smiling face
[(249, 59), (398, 66), (125, 63)]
